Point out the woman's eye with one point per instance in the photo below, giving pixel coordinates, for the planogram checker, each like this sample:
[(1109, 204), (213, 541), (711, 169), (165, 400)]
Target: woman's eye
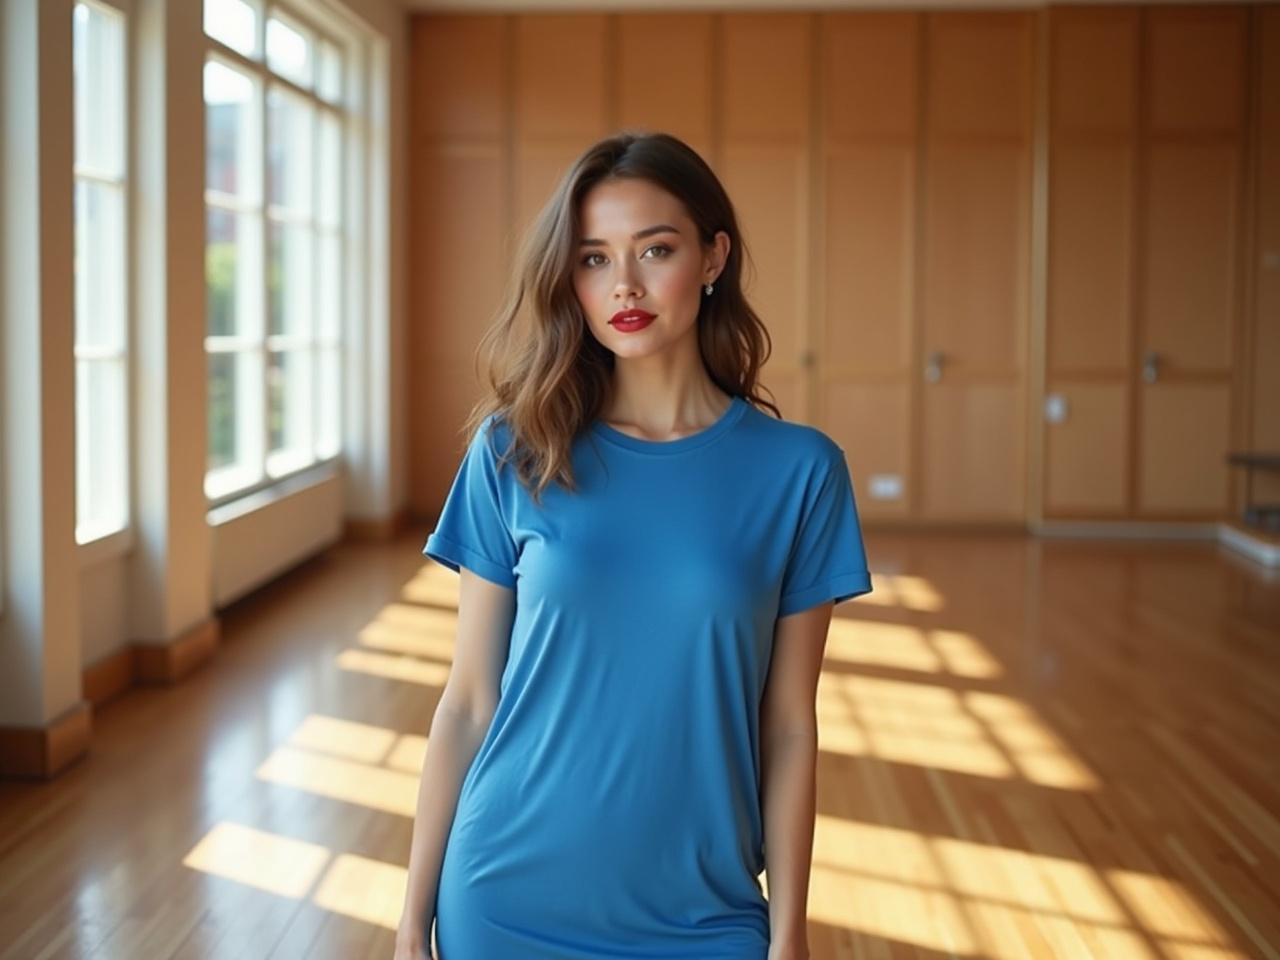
[(665, 250)]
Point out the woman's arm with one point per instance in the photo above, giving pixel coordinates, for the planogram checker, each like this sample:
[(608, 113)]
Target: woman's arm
[(789, 753), (451, 748), (462, 717)]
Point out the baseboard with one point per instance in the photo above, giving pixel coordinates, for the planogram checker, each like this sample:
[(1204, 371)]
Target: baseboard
[(43, 752), (378, 529), (170, 662), (40, 753), (1257, 545), (1125, 529)]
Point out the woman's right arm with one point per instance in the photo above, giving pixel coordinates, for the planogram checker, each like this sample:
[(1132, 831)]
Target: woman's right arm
[(486, 611)]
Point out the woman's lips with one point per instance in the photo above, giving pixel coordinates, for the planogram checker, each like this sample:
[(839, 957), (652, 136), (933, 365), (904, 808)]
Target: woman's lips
[(629, 321)]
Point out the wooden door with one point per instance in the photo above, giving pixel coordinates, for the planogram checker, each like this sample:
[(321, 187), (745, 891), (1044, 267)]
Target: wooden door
[(1189, 281), (1089, 340), (560, 102), (976, 271), (459, 218), (662, 67), (865, 369), (764, 160)]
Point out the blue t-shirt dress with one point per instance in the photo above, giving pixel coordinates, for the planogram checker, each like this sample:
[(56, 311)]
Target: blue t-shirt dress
[(613, 809)]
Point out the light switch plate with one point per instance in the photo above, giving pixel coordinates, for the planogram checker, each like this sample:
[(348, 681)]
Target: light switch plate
[(1055, 408), (885, 486)]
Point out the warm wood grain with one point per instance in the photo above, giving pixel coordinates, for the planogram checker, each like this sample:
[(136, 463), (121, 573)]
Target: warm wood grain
[(1029, 748)]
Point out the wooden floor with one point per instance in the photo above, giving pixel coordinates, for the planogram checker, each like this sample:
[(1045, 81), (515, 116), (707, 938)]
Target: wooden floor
[(1029, 748)]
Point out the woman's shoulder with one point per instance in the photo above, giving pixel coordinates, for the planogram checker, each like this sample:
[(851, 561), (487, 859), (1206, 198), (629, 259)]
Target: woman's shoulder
[(792, 440)]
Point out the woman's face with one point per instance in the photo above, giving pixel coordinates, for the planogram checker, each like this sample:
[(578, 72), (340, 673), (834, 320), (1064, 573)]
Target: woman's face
[(640, 250)]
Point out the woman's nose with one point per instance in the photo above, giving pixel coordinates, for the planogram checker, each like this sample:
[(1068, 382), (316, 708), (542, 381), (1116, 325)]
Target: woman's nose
[(628, 284)]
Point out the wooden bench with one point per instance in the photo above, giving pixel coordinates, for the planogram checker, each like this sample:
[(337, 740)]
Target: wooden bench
[(1258, 516)]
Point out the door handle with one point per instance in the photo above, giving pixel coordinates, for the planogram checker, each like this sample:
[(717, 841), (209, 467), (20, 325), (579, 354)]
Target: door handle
[(933, 367), (1151, 366)]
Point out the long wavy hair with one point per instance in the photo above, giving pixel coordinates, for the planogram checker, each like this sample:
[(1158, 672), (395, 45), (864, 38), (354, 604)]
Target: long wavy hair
[(547, 375)]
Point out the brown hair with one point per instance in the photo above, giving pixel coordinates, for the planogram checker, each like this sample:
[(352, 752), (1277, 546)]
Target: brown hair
[(547, 374)]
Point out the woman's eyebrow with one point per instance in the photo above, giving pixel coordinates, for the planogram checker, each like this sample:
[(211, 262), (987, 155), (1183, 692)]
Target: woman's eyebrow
[(638, 235)]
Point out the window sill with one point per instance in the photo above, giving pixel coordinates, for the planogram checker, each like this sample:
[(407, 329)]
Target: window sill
[(104, 548), (280, 490)]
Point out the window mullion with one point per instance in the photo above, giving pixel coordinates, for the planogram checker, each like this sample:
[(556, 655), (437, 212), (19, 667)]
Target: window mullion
[(265, 323), (317, 148)]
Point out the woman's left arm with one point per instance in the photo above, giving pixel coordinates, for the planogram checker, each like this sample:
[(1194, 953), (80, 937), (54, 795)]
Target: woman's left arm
[(789, 754)]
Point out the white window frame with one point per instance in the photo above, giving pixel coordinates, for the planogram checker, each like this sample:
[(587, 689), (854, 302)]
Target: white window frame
[(225, 490), (119, 541)]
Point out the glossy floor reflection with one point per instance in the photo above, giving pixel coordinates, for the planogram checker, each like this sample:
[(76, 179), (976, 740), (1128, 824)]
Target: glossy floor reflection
[(1028, 749)]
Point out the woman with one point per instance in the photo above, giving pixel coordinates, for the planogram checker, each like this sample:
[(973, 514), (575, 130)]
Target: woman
[(628, 737)]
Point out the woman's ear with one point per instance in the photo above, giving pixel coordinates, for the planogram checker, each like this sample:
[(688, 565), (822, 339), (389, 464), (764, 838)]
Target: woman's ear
[(719, 257)]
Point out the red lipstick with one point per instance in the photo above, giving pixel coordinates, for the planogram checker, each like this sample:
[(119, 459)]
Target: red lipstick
[(629, 321)]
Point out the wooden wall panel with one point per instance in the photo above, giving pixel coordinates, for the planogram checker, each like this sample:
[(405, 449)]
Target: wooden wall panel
[(664, 75), (458, 223), (457, 76), (1195, 76), (1088, 468), (976, 272), (867, 210), (1190, 294), (1189, 287), (561, 98), (462, 227), (765, 93), (973, 472), (1092, 259), (1262, 397), (1183, 447), (881, 163), (560, 81)]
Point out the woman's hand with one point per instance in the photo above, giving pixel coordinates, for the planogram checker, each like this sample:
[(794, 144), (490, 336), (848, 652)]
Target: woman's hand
[(411, 944), (788, 951)]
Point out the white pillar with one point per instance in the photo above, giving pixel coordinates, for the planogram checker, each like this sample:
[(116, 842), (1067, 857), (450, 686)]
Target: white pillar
[(171, 564), (44, 721)]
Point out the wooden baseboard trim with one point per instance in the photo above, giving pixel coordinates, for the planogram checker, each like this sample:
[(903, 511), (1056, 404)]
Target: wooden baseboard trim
[(41, 753), (109, 677), (170, 662), (379, 529)]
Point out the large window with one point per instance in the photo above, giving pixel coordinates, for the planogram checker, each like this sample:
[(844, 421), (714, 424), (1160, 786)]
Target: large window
[(101, 268), (275, 116)]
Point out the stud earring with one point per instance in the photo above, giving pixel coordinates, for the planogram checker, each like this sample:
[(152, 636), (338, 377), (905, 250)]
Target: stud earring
[(707, 288)]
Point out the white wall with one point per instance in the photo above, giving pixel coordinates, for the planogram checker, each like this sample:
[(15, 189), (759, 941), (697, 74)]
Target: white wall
[(66, 607)]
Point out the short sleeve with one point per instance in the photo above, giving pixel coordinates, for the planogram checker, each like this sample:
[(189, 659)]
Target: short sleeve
[(828, 560), (472, 531)]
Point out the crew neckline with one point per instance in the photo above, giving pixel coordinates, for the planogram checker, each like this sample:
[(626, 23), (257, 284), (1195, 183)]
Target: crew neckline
[(732, 414)]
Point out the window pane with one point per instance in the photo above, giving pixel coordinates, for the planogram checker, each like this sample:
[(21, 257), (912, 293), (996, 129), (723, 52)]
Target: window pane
[(290, 279), (291, 408), (99, 265), (289, 150), (235, 412), (289, 51), (329, 173), (330, 402), (101, 439), (329, 72), (329, 306), (234, 22), (233, 273), (98, 58), (232, 152)]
